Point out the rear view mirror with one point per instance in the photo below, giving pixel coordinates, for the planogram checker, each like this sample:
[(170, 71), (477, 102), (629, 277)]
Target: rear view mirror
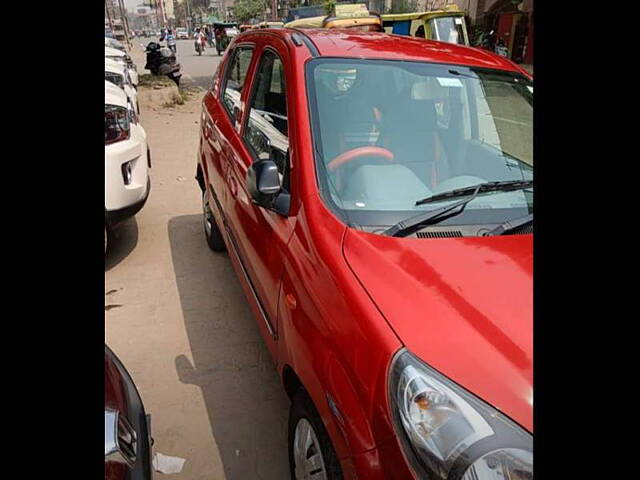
[(263, 181)]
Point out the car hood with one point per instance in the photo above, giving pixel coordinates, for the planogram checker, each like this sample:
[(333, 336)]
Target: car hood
[(462, 305)]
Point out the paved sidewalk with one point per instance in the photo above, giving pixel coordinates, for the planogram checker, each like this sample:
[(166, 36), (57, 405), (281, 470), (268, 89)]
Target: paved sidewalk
[(177, 317)]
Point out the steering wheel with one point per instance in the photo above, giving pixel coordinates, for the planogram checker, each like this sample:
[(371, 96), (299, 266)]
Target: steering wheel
[(354, 153)]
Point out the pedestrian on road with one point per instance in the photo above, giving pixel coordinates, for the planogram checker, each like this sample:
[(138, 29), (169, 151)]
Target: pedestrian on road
[(209, 34), (171, 40)]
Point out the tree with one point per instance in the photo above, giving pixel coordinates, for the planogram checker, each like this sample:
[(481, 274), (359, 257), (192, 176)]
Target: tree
[(403, 6), (245, 10)]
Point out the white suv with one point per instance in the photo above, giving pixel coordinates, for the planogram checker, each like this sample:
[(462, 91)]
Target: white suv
[(124, 59), (118, 74), (126, 160)]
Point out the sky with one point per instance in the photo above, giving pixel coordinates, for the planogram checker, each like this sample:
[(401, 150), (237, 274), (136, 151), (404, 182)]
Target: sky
[(131, 4)]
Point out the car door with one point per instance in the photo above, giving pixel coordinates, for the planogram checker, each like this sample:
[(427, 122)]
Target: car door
[(222, 104), (261, 235)]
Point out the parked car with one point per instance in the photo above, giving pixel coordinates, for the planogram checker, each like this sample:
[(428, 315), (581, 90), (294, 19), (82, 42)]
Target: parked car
[(384, 243), (127, 427), (182, 33), (113, 43), (124, 59), (127, 160), (118, 74)]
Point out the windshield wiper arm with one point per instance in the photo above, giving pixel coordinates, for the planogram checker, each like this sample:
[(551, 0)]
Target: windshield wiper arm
[(407, 227), (503, 186), (512, 225)]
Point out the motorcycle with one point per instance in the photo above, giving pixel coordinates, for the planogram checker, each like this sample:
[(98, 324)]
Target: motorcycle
[(162, 61), (199, 44)]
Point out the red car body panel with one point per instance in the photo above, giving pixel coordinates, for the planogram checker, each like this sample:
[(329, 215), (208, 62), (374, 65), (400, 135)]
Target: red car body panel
[(340, 303), (465, 306)]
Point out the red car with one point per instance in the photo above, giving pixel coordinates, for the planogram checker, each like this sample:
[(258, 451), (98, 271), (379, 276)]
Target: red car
[(127, 427), (375, 193)]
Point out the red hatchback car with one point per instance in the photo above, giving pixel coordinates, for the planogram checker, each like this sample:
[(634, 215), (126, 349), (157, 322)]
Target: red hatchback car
[(375, 193)]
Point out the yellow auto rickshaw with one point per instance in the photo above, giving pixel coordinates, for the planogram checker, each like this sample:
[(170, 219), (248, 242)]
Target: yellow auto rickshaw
[(446, 25), (355, 16)]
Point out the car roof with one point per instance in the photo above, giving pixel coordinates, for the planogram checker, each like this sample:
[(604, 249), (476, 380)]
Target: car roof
[(348, 43), (113, 52), (114, 95), (113, 66)]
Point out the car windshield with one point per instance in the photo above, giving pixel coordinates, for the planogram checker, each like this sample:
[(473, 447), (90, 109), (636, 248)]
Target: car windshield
[(390, 133), (448, 29)]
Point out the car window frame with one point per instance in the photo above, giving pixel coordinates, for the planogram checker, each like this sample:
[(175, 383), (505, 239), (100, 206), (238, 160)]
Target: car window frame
[(247, 80), (253, 92)]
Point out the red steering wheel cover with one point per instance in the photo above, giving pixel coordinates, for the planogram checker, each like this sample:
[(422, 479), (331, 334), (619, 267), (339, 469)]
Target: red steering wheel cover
[(349, 155)]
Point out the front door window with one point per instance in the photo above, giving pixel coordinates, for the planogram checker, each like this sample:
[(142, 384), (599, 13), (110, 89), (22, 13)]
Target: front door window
[(267, 133), (235, 78)]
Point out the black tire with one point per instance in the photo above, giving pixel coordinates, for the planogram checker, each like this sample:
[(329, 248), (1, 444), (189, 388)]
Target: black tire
[(211, 231), (302, 408)]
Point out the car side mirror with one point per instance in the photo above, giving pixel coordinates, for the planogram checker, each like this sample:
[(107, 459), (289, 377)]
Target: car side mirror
[(263, 181)]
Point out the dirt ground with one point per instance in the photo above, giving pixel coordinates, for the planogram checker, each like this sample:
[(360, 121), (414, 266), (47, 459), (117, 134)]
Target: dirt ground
[(176, 316)]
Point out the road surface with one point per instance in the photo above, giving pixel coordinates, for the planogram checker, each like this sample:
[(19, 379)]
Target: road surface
[(176, 315), (199, 68)]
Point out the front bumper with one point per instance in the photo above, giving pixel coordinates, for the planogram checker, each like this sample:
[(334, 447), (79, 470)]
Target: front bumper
[(114, 217)]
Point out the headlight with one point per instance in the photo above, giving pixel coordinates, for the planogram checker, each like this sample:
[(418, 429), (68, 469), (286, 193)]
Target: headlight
[(116, 124), (448, 434)]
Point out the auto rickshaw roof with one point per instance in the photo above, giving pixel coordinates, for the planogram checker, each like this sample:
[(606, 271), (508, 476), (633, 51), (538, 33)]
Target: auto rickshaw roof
[(395, 17), (309, 22), (224, 24), (345, 22)]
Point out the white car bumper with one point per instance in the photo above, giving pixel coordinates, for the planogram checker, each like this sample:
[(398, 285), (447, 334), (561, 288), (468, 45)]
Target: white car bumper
[(126, 171)]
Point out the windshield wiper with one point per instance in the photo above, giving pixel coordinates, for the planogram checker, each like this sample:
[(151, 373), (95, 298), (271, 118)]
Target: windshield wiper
[(511, 225), (503, 186), (410, 225)]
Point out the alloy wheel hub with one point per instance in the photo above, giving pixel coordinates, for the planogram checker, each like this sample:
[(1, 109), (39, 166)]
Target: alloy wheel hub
[(309, 464)]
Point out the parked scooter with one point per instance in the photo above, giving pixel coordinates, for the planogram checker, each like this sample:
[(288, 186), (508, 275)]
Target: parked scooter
[(162, 61)]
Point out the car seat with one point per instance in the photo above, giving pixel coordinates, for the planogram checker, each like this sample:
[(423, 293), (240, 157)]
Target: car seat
[(409, 132)]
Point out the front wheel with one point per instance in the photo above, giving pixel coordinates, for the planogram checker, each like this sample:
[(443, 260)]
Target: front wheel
[(311, 455)]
